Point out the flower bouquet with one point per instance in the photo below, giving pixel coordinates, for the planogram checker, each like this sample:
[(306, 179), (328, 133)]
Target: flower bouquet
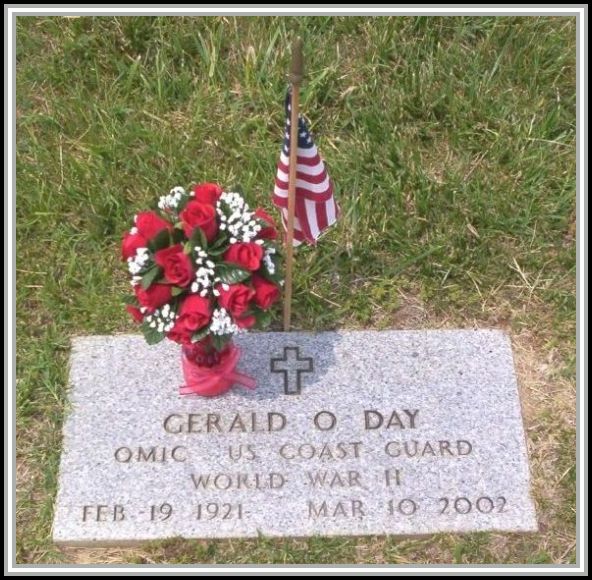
[(204, 267)]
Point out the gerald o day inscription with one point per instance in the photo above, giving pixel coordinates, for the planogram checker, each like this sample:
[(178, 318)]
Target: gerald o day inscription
[(393, 432)]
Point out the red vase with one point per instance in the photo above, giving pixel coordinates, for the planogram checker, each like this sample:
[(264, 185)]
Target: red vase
[(208, 372)]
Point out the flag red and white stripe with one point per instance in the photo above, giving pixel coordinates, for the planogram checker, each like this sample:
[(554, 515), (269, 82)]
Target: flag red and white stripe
[(315, 207)]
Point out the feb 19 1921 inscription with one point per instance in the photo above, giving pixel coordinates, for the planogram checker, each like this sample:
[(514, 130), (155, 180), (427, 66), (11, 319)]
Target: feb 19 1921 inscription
[(347, 433)]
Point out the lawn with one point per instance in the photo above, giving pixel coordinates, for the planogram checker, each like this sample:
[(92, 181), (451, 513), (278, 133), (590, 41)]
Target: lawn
[(451, 142)]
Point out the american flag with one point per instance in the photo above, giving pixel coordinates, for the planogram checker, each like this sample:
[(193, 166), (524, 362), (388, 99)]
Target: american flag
[(315, 208)]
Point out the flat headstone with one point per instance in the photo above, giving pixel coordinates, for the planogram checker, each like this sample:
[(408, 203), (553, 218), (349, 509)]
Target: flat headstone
[(347, 433)]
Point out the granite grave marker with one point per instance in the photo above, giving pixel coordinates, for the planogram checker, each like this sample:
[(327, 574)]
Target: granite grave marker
[(347, 433)]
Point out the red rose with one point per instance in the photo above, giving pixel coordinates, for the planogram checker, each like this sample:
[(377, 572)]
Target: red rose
[(236, 299), (207, 193), (176, 265), (149, 224), (199, 215), (135, 312), (154, 296), (180, 333), (130, 243), (245, 254), (195, 312), (245, 321), (269, 232), (266, 292)]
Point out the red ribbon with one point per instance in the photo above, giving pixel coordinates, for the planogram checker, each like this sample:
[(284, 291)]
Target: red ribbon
[(215, 380)]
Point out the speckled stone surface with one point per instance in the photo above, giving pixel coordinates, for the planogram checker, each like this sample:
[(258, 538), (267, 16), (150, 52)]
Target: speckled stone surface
[(428, 437)]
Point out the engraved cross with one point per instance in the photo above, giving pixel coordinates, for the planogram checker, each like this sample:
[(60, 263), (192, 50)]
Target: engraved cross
[(292, 366)]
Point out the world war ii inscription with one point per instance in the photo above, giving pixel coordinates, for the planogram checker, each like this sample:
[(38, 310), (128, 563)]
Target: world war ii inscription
[(347, 433)]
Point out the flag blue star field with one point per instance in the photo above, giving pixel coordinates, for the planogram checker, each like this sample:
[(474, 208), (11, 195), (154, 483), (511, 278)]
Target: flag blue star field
[(315, 208)]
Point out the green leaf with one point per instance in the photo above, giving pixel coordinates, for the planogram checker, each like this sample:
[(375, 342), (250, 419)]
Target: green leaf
[(150, 276), (160, 241), (151, 335), (130, 299), (263, 318), (219, 341), (175, 290), (230, 274), (221, 240), (178, 235), (276, 277), (217, 251), (197, 336), (198, 238)]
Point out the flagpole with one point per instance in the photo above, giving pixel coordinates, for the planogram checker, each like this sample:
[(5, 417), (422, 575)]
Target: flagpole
[(296, 74)]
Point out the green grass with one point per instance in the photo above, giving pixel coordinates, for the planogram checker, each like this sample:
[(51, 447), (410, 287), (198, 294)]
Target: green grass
[(452, 145)]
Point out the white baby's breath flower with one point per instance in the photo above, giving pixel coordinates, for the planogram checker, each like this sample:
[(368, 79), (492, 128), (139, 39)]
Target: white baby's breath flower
[(237, 218), (222, 323), (172, 200), (137, 262), (268, 263), (162, 319), (204, 274)]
